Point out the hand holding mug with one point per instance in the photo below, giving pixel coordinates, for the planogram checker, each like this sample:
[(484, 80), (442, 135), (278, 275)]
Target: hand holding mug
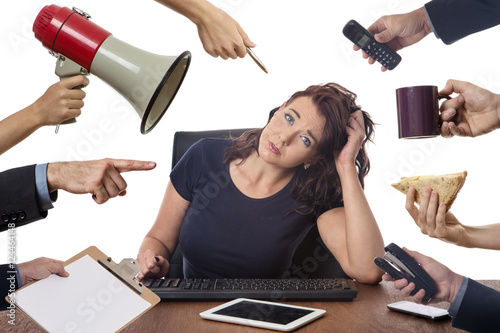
[(475, 111), (418, 111)]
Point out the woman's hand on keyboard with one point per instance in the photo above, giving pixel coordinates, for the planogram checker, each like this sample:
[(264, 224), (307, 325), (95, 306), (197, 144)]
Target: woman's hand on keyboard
[(151, 265)]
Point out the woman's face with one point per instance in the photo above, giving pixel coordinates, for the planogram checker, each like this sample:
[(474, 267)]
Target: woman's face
[(293, 134)]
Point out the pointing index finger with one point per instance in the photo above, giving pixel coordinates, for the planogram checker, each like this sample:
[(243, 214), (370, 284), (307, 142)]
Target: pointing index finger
[(132, 165)]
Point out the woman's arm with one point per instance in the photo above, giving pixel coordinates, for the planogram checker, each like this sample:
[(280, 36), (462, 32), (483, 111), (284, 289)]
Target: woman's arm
[(160, 242), (351, 233)]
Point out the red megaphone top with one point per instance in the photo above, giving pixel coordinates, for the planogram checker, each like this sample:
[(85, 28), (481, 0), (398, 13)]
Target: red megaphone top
[(67, 32)]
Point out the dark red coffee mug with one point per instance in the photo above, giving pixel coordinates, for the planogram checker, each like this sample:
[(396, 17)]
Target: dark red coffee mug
[(418, 111)]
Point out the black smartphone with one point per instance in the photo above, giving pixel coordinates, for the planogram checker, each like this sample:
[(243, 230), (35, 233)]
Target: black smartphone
[(382, 53)]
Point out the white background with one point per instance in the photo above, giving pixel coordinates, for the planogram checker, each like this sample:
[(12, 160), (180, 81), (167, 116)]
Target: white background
[(301, 43)]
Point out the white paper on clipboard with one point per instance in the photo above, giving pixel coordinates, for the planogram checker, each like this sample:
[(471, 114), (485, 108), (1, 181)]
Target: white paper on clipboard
[(91, 299)]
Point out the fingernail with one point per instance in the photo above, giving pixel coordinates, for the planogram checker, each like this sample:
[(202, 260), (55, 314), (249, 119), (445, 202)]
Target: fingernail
[(151, 164)]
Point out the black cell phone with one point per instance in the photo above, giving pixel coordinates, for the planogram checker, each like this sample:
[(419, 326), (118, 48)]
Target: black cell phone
[(382, 53)]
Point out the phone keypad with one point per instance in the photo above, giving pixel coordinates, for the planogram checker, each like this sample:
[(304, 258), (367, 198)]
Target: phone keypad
[(380, 53)]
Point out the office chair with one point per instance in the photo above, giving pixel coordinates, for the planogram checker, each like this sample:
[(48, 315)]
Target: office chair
[(312, 258)]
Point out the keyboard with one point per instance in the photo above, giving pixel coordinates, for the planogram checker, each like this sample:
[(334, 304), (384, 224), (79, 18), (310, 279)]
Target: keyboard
[(171, 289)]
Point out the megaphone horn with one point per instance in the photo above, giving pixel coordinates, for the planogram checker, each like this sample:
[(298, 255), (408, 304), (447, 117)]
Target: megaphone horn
[(148, 81)]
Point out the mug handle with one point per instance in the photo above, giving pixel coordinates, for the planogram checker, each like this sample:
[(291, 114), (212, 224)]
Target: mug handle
[(455, 117)]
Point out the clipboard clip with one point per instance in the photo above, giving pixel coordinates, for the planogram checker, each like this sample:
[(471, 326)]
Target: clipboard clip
[(126, 271)]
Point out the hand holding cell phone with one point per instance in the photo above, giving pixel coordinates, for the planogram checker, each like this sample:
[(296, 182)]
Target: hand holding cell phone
[(363, 39)]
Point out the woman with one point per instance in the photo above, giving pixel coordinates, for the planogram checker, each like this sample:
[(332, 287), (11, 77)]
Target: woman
[(239, 208)]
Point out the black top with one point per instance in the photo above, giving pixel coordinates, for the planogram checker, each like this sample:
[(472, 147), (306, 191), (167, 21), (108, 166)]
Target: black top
[(226, 233)]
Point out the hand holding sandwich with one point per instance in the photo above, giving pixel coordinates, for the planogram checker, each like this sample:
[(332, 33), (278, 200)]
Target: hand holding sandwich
[(434, 196), (433, 220), (475, 111)]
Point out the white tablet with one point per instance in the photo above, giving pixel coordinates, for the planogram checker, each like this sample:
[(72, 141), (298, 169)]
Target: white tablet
[(270, 315)]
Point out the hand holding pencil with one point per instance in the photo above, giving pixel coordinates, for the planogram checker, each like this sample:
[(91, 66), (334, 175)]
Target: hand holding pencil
[(256, 59)]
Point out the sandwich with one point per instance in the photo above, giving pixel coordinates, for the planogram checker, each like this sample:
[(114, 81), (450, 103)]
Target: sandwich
[(446, 186)]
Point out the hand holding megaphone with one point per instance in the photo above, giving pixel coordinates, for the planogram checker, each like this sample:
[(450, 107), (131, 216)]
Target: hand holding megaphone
[(148, 81), (66, 68), (61, 101)]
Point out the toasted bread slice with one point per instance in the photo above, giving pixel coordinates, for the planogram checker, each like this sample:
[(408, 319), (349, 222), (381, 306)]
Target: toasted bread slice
[(447, 186)]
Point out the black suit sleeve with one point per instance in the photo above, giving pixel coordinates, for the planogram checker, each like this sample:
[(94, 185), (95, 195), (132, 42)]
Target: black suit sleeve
[(480, 309), (18, 199), (455, 19)]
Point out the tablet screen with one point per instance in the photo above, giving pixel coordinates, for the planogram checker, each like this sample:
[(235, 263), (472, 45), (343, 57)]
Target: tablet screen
[(270, 313)]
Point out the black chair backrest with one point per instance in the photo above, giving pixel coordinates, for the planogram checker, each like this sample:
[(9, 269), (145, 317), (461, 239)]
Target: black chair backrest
[(312, 258)]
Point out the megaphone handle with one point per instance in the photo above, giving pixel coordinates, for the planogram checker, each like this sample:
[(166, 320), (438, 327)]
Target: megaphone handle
[(72, 120), (69, 121), (66, 68)]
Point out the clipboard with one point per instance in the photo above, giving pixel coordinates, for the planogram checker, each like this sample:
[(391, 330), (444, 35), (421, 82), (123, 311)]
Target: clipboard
[(99, 295)]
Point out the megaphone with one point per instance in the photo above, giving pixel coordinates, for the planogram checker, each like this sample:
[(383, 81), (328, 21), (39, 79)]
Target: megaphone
[(148, 81)]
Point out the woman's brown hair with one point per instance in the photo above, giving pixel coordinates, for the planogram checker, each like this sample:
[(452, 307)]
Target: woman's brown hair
[(319, 185)]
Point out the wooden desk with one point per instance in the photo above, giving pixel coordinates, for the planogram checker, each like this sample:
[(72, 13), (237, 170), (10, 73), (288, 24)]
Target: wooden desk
[(366, 313)]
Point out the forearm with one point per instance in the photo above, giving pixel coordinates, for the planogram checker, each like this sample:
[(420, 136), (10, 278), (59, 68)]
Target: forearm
[(16, 128), (363, 237), (55, 175), (163, 237), (497, 107), (422, 20), (484, 237), (489, 106), (154, 244), (194, 10)]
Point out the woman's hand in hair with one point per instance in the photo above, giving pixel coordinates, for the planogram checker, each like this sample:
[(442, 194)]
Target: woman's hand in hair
[(355, 135)]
